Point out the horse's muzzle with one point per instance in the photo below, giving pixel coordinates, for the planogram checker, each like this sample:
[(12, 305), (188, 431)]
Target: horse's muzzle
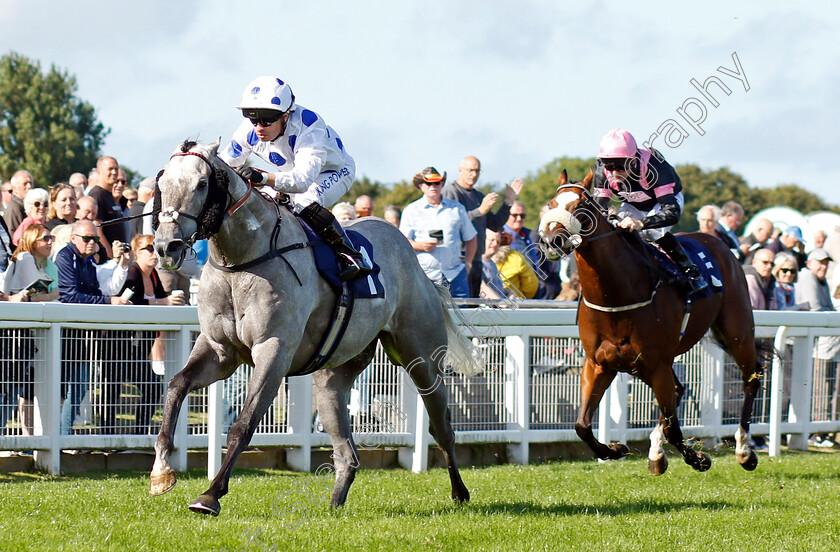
[(170, 252), (559, 245)]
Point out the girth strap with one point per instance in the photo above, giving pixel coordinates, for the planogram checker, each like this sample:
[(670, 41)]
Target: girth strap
[(340, 320)]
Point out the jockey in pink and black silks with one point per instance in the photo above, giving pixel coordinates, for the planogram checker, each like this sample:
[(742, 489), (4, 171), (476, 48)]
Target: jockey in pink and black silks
[(650, 192), (308, 158)]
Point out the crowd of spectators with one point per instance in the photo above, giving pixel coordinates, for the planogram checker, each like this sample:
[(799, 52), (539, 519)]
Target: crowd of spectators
[(476, 244), (54, 248), (454, 222), (783, 272)]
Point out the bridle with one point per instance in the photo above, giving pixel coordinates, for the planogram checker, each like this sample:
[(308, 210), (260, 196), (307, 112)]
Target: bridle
[(576, 239), (219, 203)]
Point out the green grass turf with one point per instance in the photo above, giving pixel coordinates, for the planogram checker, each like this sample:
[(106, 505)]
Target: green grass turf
[(791, 503)]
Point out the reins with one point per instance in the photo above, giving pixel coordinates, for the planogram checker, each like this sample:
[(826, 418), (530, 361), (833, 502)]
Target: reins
[(589, 200)]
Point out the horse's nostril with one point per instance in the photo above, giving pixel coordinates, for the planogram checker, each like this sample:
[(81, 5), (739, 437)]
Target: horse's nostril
[(174, 246)]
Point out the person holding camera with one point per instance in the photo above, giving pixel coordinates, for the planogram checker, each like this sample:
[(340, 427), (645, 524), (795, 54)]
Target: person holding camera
[(129, 359), (437, 227), (31, 274)]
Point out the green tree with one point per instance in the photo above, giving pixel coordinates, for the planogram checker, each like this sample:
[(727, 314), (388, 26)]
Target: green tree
[(44, 127), (795, 197), (400, 194), (716, 188)]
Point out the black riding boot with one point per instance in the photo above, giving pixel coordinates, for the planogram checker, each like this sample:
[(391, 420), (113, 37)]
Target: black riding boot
[(322, 221), (674, 249)]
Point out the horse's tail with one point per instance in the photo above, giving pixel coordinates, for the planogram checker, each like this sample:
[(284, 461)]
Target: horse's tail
[(461, 354), (765, 354)]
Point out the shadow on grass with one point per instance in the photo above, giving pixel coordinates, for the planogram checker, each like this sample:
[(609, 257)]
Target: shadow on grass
[(643, 507), (193, 474)]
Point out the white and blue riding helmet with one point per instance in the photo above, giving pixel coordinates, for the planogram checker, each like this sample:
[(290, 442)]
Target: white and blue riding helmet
[(269, 93)]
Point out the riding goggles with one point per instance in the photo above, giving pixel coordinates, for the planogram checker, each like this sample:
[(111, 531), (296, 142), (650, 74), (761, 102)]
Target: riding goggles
[(262, 117), (615, 164)]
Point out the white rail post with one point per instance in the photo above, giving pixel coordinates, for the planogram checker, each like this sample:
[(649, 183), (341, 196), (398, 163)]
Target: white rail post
[(604, 415), (183, 346), (776, 384), (801, 377), (711, 387), (48, 403), (518, 369), (300, 422), (618, 406), (215, 402), (407, 455)]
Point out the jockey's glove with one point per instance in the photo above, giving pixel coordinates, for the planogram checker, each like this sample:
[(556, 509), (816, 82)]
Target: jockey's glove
[(250, 173)]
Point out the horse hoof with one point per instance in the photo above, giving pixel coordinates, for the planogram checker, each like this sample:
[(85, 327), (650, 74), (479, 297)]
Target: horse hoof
[(161, 482), (704, 462), (461, 496), (658, 467), (750, 462), (617, 450), (206, 504)]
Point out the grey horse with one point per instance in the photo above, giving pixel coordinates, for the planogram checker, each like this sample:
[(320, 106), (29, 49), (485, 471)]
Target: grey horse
[(271, 311)]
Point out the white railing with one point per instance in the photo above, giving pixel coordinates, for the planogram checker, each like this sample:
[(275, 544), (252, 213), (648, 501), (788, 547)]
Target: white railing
[(529, 393)]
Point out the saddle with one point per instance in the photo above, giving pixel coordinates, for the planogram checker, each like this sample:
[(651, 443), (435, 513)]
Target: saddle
[(328, 267), (701, 258)]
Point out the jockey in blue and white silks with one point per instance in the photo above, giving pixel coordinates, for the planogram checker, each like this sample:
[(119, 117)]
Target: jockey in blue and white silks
[(310, 162), (651, 194)]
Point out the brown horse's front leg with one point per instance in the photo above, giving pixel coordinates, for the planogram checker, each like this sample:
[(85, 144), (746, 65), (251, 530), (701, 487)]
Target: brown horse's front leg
[(594, 381), (666, 390)]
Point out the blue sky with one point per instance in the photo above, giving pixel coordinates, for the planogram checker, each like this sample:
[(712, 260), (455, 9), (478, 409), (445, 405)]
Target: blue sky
[(409, 84)]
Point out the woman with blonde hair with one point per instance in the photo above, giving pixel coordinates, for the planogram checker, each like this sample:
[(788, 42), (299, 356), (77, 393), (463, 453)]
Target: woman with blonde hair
[(62, 206), (30, 262)]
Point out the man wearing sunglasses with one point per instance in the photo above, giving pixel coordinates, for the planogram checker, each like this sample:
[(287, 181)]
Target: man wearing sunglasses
[(77, 280), (308, 162), (439, 230), (650, 193)]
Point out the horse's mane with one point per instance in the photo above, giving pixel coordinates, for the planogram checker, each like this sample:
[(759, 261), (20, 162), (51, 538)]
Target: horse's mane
[(187, 145)]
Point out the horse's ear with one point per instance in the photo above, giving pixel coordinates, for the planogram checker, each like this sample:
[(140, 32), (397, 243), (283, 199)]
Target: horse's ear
[(587, 180), (214, 147), (563, 178)]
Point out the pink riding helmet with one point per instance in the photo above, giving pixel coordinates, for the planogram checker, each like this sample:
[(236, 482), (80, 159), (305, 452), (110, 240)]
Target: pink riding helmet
[(617, 143)]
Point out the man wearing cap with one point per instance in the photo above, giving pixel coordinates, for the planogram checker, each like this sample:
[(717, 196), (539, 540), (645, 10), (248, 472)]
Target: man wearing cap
[(790, 241), (812, 287), (308, 162), (437, 227)]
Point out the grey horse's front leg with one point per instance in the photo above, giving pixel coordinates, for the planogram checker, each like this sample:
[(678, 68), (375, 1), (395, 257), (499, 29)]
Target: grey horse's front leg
[(203, 368), (270, 366)]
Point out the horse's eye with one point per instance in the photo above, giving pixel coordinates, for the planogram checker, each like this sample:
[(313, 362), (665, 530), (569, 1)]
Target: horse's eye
[(202, 183)]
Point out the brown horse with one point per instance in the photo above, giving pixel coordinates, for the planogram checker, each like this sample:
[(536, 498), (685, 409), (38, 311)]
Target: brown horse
[(631, 317)]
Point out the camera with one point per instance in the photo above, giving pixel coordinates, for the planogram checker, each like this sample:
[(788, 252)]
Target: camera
[(125, 248)]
